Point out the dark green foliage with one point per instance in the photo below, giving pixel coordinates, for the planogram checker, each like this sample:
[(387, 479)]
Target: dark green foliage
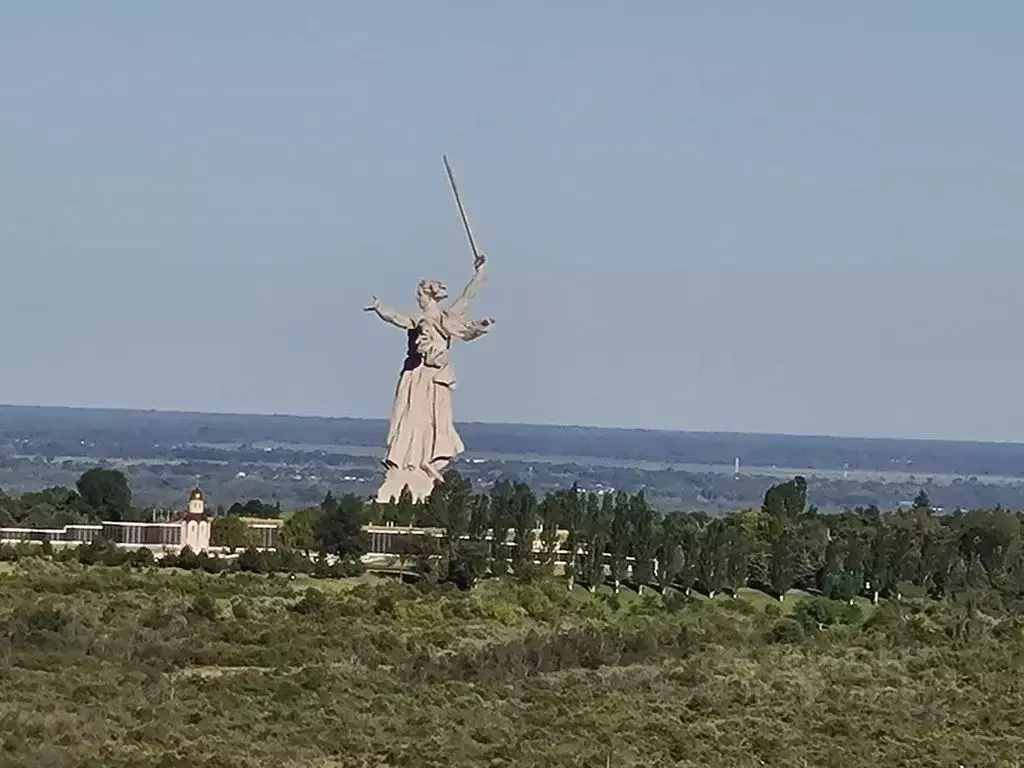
[(255, 508), (783, 507), (339, 527), (205, 607), (821, 613), (522, 514), (299, 530), (783, 546), (230, 531), (786, 501), (786, 631), (313, 603), (105, 493), (252, 561), (467, 564), (48, 508)]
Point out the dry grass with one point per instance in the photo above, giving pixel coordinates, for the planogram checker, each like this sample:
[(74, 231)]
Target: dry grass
[(106, 668)]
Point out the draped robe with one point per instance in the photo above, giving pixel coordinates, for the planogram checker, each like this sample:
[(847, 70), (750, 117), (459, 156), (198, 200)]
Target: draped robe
[(422, 430)]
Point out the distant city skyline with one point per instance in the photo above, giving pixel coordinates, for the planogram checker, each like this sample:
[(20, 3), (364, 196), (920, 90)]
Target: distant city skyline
[(795, 219)]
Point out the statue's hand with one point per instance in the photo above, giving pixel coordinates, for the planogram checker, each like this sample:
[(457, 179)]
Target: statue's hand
[(373, 306), (479, 261)]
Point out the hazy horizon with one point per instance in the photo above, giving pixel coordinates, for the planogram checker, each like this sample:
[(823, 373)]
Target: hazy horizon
[(791, 219), (384, 418)]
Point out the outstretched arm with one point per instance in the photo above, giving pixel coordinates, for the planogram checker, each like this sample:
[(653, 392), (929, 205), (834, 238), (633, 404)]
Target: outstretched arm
[(461, 304), (390, 316)]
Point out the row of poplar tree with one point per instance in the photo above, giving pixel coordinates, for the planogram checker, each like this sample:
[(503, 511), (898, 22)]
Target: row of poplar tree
[(783, 545)]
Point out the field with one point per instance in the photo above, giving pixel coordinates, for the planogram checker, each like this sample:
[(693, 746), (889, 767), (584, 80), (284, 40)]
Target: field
[(112, 667)]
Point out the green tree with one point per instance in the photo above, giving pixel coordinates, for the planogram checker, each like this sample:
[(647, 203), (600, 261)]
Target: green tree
[(831, 570), (594, 535), (713, 561), (299, 530), (671, 554), (450, 507), (991, 538), (550, 511), (41, 516), (425, 554), (502, 503), (936, 547), (406, 507), (691, 546), (880, 574), (786, 500), (339, 527), (618, 542), (232, 532), (466, 564), (904, 548), (105, 493), (783, 506), (574, 512), (643, 539), (738, 552), (480, 518), (524, 524), (255, 508)]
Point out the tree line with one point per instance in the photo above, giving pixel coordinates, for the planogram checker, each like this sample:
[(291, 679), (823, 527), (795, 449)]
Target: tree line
[(100, 494), (619, 537), (785, 544)]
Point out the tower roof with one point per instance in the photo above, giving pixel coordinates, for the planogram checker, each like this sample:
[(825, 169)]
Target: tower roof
[(196, 495)]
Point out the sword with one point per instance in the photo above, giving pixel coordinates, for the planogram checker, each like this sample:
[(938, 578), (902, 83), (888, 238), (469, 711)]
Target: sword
[(462, 211)]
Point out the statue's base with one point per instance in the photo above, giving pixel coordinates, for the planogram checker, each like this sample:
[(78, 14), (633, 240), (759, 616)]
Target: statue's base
[(420, 484)]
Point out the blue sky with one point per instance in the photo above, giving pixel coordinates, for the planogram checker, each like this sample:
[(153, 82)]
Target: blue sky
[(790, 217)]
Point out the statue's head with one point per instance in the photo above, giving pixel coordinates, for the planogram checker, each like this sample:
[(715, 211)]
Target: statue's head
[(429, 291)]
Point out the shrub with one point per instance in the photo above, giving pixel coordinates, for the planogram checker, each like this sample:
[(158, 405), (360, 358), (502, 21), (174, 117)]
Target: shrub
[(47, 619), (240, 609), (142, 558), (313, 603), (816, 612), (786, 631), (205, 607), (348, 568), (252, 561), (463, 572), (186, 560)]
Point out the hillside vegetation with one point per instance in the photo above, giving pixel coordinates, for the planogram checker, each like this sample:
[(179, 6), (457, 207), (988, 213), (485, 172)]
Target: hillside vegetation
[(107, 666), (872, 639)]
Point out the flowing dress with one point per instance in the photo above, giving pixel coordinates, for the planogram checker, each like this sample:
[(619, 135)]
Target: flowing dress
[(422, 430)]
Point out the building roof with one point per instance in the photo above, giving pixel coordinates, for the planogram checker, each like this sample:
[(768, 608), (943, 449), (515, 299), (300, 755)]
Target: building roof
[(195, 495)]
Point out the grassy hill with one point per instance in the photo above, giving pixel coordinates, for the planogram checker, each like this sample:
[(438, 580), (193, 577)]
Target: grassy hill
[(112, 667)]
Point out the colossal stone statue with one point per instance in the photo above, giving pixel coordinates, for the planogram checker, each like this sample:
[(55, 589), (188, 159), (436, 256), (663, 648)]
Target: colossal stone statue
[(422, 440)]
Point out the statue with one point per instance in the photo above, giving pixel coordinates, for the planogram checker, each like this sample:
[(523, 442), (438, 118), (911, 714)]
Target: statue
[(422, 440)]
